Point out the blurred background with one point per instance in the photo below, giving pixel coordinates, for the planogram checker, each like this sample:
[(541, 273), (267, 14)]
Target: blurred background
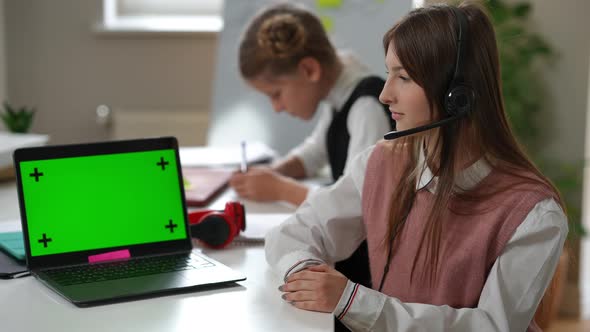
[(109, 69)]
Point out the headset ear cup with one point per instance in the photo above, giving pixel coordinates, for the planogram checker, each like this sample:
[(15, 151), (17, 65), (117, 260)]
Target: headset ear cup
[(237, 213), (459, 100), (242, 217), (213, 230), (216, 229)]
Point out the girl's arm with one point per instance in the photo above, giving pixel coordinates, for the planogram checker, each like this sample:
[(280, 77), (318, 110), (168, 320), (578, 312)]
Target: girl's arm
[(292, 191), (327, 227), (265, 185), (509, 299), (312, 152), (291, 166)]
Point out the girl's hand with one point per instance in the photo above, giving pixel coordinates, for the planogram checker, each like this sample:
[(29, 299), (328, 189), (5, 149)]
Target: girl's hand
[(317, 288), (258, 184)]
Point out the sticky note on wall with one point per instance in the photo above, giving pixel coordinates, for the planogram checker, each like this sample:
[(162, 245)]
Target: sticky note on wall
[(323, 4), (328, 23)]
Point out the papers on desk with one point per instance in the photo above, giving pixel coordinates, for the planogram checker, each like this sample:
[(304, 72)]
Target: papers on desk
[(10, 142), (256, 152), (10, 226), (259, 224)]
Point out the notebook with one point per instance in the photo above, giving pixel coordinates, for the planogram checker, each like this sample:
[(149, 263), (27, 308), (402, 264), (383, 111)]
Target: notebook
[(107, 222), (12, 244), (202, 184), (12, 256)]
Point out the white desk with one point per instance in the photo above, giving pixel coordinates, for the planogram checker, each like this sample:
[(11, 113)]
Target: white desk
[(254, 305)]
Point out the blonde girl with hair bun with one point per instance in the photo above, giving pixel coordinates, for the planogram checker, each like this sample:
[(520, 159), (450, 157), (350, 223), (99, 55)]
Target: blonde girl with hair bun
[(286, 54)]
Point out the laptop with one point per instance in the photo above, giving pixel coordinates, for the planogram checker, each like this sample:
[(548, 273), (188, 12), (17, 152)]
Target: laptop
[(107, 222)]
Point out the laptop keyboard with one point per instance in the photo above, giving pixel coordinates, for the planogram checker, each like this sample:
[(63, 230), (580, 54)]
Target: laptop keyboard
[(82, 274)]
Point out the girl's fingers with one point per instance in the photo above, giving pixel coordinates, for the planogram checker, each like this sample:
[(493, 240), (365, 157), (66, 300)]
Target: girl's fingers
[(242, 191), (236, 180), (298, 285), (319, 268), (239, 190), (300, 296), (306, 274)]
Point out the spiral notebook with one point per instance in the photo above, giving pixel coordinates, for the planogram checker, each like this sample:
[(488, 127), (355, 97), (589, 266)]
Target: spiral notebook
[(12, 244), (12, 256), (258, 225)]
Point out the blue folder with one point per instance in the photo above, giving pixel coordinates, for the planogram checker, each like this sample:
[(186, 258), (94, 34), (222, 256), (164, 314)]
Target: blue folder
[(13, 244)]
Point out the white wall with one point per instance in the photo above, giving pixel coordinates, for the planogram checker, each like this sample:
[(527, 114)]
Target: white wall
[(585, 255), (565, 25), (2, 55), (56, 62)]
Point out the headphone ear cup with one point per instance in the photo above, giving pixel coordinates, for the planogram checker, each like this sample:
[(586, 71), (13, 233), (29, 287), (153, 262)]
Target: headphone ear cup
[(237, 214), (216, 229), (213, 230), (242, 217), (459, 100)]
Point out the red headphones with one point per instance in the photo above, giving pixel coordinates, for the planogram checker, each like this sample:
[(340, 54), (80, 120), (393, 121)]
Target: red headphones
[(216, 229)]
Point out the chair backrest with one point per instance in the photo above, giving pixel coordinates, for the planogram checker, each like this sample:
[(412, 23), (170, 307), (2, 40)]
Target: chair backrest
[(549, 306)]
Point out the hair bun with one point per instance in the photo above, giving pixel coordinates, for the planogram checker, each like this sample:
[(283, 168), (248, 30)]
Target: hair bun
[(282, 35)]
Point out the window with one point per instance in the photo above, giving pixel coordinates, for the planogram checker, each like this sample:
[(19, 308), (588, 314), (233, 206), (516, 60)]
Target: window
[(163, 15)]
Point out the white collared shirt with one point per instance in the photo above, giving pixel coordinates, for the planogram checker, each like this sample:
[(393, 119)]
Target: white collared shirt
[(366, 122), (328, 228)]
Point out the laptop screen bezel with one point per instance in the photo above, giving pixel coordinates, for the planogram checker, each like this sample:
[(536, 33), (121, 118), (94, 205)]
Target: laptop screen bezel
[(93, 149)]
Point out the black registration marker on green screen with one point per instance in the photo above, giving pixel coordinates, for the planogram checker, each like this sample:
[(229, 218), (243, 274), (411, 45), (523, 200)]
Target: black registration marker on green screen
[(104, 201)]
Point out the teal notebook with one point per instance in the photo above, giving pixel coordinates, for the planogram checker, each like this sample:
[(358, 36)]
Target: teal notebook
[(13, 244)]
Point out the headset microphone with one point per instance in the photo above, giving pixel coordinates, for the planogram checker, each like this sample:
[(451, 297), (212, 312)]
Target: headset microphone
[(397, 134)]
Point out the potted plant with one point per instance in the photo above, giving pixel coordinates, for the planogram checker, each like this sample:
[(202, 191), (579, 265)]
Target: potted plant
[(521, 53), (17, 120)]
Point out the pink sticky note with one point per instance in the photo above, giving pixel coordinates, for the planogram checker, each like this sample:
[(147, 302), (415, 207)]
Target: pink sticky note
[(109, 256)]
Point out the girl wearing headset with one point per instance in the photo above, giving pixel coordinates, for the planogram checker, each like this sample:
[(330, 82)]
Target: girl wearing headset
[(285, 54), (464, 233)]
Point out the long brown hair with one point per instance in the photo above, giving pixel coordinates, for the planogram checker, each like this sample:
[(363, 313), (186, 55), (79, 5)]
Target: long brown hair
[(278, 37), (425, 42)]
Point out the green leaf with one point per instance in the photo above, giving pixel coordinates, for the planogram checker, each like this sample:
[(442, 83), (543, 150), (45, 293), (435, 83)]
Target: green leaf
[(19, 120), (7, 107), (521, 10)]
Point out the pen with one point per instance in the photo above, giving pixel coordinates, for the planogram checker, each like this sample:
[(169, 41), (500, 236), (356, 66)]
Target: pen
[(244, 164)]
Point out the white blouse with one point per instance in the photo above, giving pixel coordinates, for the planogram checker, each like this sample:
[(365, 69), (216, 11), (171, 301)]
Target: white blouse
[(328, 227), (366, 122)]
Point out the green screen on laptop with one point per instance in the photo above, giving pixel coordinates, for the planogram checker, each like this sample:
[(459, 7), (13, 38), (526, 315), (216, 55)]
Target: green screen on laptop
[(102, 201)]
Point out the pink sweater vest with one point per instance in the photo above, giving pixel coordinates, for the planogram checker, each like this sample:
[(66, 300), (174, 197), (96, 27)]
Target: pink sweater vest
[(470, 244)]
